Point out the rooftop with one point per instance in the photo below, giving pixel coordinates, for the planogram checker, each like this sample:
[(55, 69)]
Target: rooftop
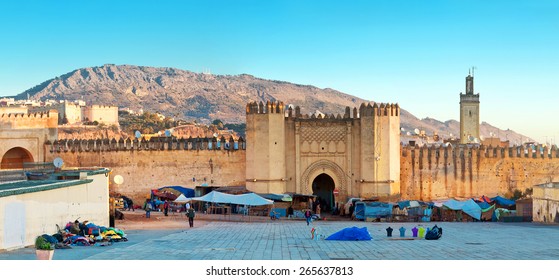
[(60, 179)]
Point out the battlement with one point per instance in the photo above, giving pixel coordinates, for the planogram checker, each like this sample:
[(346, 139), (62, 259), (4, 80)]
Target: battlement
[(154, 144), (39, 115), (30, 120), (102, 107), (269, 108), (377, 109), (479, 152), (469, 98)]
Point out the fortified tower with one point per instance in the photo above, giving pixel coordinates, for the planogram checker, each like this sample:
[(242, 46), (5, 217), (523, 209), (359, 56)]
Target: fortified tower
[(469, 113), (265, 156), (379, 159)]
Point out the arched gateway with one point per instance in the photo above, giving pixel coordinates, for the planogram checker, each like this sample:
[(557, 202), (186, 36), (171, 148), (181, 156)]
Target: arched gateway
[(321, 178), (15, 157), (357, 154), (323, 187)]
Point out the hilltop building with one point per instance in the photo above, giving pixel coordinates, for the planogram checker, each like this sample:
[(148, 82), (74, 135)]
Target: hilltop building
[(78, 112)]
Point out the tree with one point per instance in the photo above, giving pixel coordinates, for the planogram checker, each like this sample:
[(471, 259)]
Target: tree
[(218, 123)]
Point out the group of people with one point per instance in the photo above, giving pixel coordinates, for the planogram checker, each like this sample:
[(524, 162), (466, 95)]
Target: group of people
[(189, 211)]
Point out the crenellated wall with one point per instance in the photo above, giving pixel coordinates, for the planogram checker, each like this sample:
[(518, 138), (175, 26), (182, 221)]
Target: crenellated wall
[(22, 137), (147, 165), (35, 120), (462, 172)]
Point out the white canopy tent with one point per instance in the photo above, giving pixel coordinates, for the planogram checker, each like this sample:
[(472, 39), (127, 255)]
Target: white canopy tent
[(182, 199), (249, 199)]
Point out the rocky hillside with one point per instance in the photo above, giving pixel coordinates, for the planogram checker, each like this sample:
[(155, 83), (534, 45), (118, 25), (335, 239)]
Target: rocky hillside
[(204, 97)]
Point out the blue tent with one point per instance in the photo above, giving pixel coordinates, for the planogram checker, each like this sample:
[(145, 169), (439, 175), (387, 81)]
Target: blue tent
[(408, 203), (372, 210), (351, 234), (468, 206), (186, 191), (503, 201), (483, 205)]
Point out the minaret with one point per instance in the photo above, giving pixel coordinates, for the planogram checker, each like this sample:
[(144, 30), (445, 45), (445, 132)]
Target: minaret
[(469, 113)]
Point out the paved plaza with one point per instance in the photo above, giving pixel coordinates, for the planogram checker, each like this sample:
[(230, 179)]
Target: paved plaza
[(291, 240)]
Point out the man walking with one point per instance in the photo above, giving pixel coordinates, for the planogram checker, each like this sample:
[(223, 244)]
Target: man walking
[(147, 207), (166, 208), (190, 214)]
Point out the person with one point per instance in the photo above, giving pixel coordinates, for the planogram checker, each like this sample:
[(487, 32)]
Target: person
[(318, 210), (190, 214), (351, 208), (314, 203), (336, 210), (308, 215), (290, 212), (166, 208), (148, 207), (274, 215), (187, 206), (130, 204)]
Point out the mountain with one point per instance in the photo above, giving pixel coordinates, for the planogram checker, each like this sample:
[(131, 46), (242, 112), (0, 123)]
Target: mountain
[(204, 97)]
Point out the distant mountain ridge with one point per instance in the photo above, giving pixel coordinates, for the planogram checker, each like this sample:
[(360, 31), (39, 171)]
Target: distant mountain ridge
[(204, 97)]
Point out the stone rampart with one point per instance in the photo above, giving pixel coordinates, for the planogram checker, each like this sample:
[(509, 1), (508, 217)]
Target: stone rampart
[(164, 161), (41, 120), (431, 173)]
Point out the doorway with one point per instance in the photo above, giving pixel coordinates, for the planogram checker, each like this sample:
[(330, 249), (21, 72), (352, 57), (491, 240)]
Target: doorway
[(15, 157), (323, 187)]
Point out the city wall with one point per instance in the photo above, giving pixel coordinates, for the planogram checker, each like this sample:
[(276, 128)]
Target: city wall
[(153, 164), (462, 172), (425, 173)]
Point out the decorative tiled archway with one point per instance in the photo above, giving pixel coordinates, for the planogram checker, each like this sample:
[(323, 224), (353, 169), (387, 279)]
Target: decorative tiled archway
[(327, 167)]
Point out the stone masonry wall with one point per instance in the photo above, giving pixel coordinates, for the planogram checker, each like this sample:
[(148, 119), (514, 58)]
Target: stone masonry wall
[(438, 173), (151, 165)]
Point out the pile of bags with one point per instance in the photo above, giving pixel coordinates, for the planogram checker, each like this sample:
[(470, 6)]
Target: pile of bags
[(84, 234)]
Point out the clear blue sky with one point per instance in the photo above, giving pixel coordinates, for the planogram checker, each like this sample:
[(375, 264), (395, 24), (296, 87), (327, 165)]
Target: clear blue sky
[(415, 53)]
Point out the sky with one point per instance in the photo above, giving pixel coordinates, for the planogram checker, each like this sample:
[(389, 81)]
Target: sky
[(414, 53)]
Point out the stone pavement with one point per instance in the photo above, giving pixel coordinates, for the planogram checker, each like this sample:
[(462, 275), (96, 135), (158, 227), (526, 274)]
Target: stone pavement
[(291, 240)]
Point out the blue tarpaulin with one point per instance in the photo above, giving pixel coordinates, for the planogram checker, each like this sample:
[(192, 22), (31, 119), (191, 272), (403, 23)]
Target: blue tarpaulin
[(483, 205), (503, 201), (372, 210), (468, 206), (408, 203), (351, 234), (186, 191)]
